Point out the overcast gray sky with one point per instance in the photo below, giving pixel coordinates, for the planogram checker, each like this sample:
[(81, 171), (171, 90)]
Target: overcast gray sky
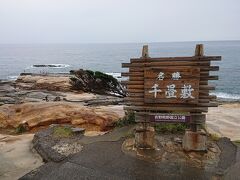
[(112, 21)]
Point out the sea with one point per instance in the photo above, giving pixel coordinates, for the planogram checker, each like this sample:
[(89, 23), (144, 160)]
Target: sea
[(61, 58)]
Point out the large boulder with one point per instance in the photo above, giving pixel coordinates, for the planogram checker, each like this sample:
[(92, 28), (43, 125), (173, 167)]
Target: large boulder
[(96, 82), (46, 113)]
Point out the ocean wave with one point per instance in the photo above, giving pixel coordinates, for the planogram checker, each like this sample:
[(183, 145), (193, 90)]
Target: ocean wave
[(50, 66), (12, 78), (227, 96), (116, 75)]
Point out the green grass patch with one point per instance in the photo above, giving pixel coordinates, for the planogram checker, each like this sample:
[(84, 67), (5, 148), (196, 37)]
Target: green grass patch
[(237, 142), (170, 127), (214, 137), (128, 119), (21, 129), (62, 132)]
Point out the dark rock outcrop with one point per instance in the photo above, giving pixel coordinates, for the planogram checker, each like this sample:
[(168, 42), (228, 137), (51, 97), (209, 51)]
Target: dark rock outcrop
[(54, 148)]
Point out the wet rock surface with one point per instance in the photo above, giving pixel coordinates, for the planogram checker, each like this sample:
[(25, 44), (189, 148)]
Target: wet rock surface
[(229, 152), (108, 157), (11, 94), (58, 87), (169, 149)]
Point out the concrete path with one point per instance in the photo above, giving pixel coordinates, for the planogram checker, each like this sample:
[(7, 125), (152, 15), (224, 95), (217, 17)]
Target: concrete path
[(102, 158), (105, 160)]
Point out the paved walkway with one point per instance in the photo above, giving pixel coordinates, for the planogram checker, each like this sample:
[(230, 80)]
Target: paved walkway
[(103, 159)]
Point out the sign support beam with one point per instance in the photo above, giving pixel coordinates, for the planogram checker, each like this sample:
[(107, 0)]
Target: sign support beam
[(144, 132), (195, 139)]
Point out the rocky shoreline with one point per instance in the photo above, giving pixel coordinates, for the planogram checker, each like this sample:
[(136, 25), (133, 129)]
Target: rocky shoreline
[(38, 103), (35, 100), (23, 99)]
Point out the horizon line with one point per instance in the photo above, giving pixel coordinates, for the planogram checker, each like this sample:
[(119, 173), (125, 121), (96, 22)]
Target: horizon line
[(29, 43)]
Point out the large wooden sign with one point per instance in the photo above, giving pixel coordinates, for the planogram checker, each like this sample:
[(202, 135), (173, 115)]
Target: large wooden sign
[(170, 84)]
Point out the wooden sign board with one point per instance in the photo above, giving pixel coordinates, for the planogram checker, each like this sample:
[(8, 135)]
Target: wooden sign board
[(171, 85)]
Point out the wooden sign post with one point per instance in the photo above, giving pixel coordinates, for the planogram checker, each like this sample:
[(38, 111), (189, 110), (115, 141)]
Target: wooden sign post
[(170, 89)]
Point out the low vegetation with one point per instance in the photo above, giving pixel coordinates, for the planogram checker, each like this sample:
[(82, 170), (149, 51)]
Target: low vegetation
[(62, 132), (214, 137), (21, 129), (237, 142), (170, 127), (128, 119)]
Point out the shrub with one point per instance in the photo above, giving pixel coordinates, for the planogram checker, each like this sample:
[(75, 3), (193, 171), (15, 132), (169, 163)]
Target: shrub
[(71, 71), (107, 77), (96, 82), (90, 72)]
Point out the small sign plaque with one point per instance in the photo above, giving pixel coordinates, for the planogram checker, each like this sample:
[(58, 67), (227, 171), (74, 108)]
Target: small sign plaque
[(180, 118)]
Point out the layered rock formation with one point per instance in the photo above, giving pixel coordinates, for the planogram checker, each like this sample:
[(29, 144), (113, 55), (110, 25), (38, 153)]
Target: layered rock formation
[(46, 82), (42, 113)]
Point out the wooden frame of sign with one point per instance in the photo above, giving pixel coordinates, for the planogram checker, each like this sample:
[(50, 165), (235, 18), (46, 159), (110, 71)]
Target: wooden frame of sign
[(170, 89)]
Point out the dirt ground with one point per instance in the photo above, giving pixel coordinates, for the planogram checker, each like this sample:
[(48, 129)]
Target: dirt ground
[(224, 120), (16, 156)]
